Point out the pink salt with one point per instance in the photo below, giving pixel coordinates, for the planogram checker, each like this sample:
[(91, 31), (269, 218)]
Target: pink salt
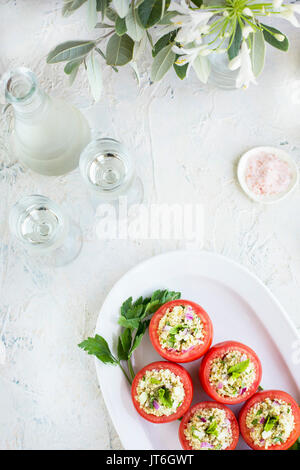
[(266, 174)]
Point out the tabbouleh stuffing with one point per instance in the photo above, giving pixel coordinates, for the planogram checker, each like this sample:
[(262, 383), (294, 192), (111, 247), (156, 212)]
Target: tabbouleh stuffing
[(232, 375), (180, 329), (160, 392), (209, 429), (270, 422)]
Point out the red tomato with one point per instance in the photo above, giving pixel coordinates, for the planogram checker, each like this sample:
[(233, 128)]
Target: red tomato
[(277, 395), (204, 405), (195, 352), (219, 350), (187, 384)]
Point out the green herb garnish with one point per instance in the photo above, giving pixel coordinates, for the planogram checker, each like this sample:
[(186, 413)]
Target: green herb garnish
[(164, 397), (193, 429), (135, 319), (235, 371), (212, 429), (154, 381), (270, 423)]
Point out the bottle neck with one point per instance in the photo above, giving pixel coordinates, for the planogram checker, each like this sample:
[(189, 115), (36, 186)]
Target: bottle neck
[(23, 93)]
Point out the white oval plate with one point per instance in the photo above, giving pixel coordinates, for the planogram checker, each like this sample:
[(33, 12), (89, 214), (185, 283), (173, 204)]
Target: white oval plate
[(241, 308), (241, 169)]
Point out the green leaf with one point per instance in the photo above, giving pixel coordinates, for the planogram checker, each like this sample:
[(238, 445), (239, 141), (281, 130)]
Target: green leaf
[(98, 347), (94, 74), (165, 296), (134, 28), (126, 339), (166, 19), (212, 429), (131, 323), (70, 50), (180, 69), (150, 12), (122, 7), (124, 345), (71, 5), (236, 370), (201, 65), (258, 52), (163, 61), (122, 356), (121, 27), (296, 446), (270, 423), (126, 306), (103, 26), (164, 397), (111, 14), (71, 69), (71, 66), (92, 16), (269, 32), (157, 299), (198, 3), (102, 6), (236, 43), (163, 42), (154, 381), (119, 50), (139, 335)]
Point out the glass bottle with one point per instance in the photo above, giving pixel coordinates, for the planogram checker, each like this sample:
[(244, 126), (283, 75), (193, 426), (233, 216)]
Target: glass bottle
[(48, 134), (45, 231), (108, 170)]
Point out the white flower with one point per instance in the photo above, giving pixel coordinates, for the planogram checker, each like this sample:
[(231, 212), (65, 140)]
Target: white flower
[(192, 23), (243, 62), (277, 4), (246, 31), (248, 12), (189, 55), (288, 13)]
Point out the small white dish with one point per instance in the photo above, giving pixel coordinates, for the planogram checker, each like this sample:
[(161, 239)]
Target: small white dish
[(265, 199)]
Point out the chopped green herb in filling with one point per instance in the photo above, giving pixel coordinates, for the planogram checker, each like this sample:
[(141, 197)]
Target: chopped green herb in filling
[(232, 375), (180, 329), (209, 429), (270, 422), (160, 392)]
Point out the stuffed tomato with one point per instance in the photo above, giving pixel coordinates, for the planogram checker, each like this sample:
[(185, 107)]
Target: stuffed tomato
[(270, 420), (209, 426), (230, 372), (162, 392), (181, 331)]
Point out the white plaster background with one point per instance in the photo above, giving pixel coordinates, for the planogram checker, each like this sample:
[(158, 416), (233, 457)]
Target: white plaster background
[(187, 139)]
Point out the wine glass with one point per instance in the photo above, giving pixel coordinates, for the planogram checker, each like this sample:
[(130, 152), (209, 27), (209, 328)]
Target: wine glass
[(45, 231)]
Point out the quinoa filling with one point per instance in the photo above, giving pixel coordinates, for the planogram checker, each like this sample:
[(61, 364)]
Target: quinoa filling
[(232, 374), (270, 422), (160, 392), (180, 329), (209, 429)]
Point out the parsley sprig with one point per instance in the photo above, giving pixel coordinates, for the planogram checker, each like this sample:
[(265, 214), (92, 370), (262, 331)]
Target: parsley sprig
[(134, 319)]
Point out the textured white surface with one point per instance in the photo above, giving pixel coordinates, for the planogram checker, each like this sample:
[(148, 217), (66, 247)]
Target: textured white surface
[(187, 139)]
